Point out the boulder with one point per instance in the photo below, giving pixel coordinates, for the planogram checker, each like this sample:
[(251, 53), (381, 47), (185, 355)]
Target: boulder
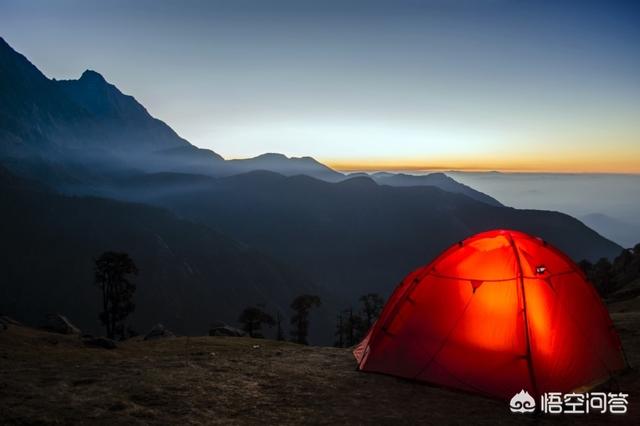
[(57, 323), (159, 332), (222, 329), (99, 342), (5, 322), (9, 321)]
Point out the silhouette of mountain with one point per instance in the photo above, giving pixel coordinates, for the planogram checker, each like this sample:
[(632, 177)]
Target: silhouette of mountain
[(616, 230), (189, 275), (355, 236), (88, 113), (439, 180), (125, 124), (31, 106), (77, 133), (285, 166), (66, 124), (616, 196)]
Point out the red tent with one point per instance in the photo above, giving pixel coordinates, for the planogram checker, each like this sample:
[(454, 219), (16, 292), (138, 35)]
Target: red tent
[(494, 314)]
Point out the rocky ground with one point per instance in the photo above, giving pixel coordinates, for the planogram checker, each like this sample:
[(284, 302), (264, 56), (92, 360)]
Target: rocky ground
[(48, 378)]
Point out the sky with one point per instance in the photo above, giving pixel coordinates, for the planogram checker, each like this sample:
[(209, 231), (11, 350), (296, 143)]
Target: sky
[(512, 85)]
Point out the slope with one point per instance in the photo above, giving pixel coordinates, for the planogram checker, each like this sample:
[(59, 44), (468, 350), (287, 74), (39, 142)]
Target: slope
[(355, 236), (189, 274)]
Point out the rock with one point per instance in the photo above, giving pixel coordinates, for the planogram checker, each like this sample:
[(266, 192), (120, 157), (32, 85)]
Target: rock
[(99, 342), (159, 332), (6, 321), (222, 329), (217, 324), (9, 321), (57, 323)]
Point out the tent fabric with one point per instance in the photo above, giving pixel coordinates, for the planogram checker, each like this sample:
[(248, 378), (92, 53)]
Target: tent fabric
[(497, 313)]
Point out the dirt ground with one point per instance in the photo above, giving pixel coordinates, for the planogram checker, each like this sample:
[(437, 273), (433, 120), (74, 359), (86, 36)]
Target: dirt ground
[(54, 379)]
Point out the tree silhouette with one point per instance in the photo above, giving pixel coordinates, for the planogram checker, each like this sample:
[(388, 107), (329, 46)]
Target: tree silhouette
[(603, 276), (372, 305), (626, 267), (340, 332), (599, 274), (111, 271), (252, 319), (609, 278), (301, 306), (351, 327), (279, 330)]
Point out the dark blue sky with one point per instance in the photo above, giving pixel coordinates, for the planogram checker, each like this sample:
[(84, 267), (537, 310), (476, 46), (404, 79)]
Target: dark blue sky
[(507, 84)]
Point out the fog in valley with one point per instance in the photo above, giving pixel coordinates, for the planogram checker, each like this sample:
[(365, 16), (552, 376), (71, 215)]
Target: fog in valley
[(608, 203)]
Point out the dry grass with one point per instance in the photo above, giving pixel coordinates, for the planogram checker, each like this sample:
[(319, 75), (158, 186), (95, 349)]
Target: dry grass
[(53, 379)]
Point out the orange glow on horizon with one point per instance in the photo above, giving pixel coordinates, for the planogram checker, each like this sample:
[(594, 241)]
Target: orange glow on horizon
[(629, 165)]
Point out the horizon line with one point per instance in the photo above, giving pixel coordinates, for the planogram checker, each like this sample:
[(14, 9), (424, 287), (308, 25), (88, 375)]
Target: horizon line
[(372, 168), (390, 167)]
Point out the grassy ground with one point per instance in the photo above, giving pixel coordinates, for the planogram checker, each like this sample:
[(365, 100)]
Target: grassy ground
[(53, 379)]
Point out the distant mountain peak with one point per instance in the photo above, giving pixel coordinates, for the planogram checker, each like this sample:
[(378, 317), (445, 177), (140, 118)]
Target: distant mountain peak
[(14, 66), (66, 117), (359, 181), (272, 156), (6, 48), (437, 179), (4, 44), (278, 156), (93, 77), (309, 159)]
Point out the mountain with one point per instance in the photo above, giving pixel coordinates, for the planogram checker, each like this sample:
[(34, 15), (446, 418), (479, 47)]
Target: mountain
[(354, 236), (625, 234), (72, 133), (285, 166), (609, 203), (189, 275), (195, 160), (63, 125), (125, 124), (238, 233), (32, 108), (77, 134), (88, 113), (439, 180)]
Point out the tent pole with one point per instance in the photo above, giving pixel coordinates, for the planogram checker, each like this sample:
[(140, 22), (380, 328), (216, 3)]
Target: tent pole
[(529, 356)]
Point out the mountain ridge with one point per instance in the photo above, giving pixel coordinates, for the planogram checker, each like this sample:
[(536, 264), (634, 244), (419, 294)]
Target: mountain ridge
[(89, 120), (356, 235), (190, 275), (347, 235)]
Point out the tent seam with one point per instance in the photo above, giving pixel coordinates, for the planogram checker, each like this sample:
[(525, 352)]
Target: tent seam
[(527, 332)]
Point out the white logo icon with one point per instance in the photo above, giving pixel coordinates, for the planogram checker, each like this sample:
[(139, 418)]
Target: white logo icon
[(522, 402)]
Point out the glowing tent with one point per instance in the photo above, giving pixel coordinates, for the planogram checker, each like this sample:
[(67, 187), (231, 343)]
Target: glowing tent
[(494, 314)]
